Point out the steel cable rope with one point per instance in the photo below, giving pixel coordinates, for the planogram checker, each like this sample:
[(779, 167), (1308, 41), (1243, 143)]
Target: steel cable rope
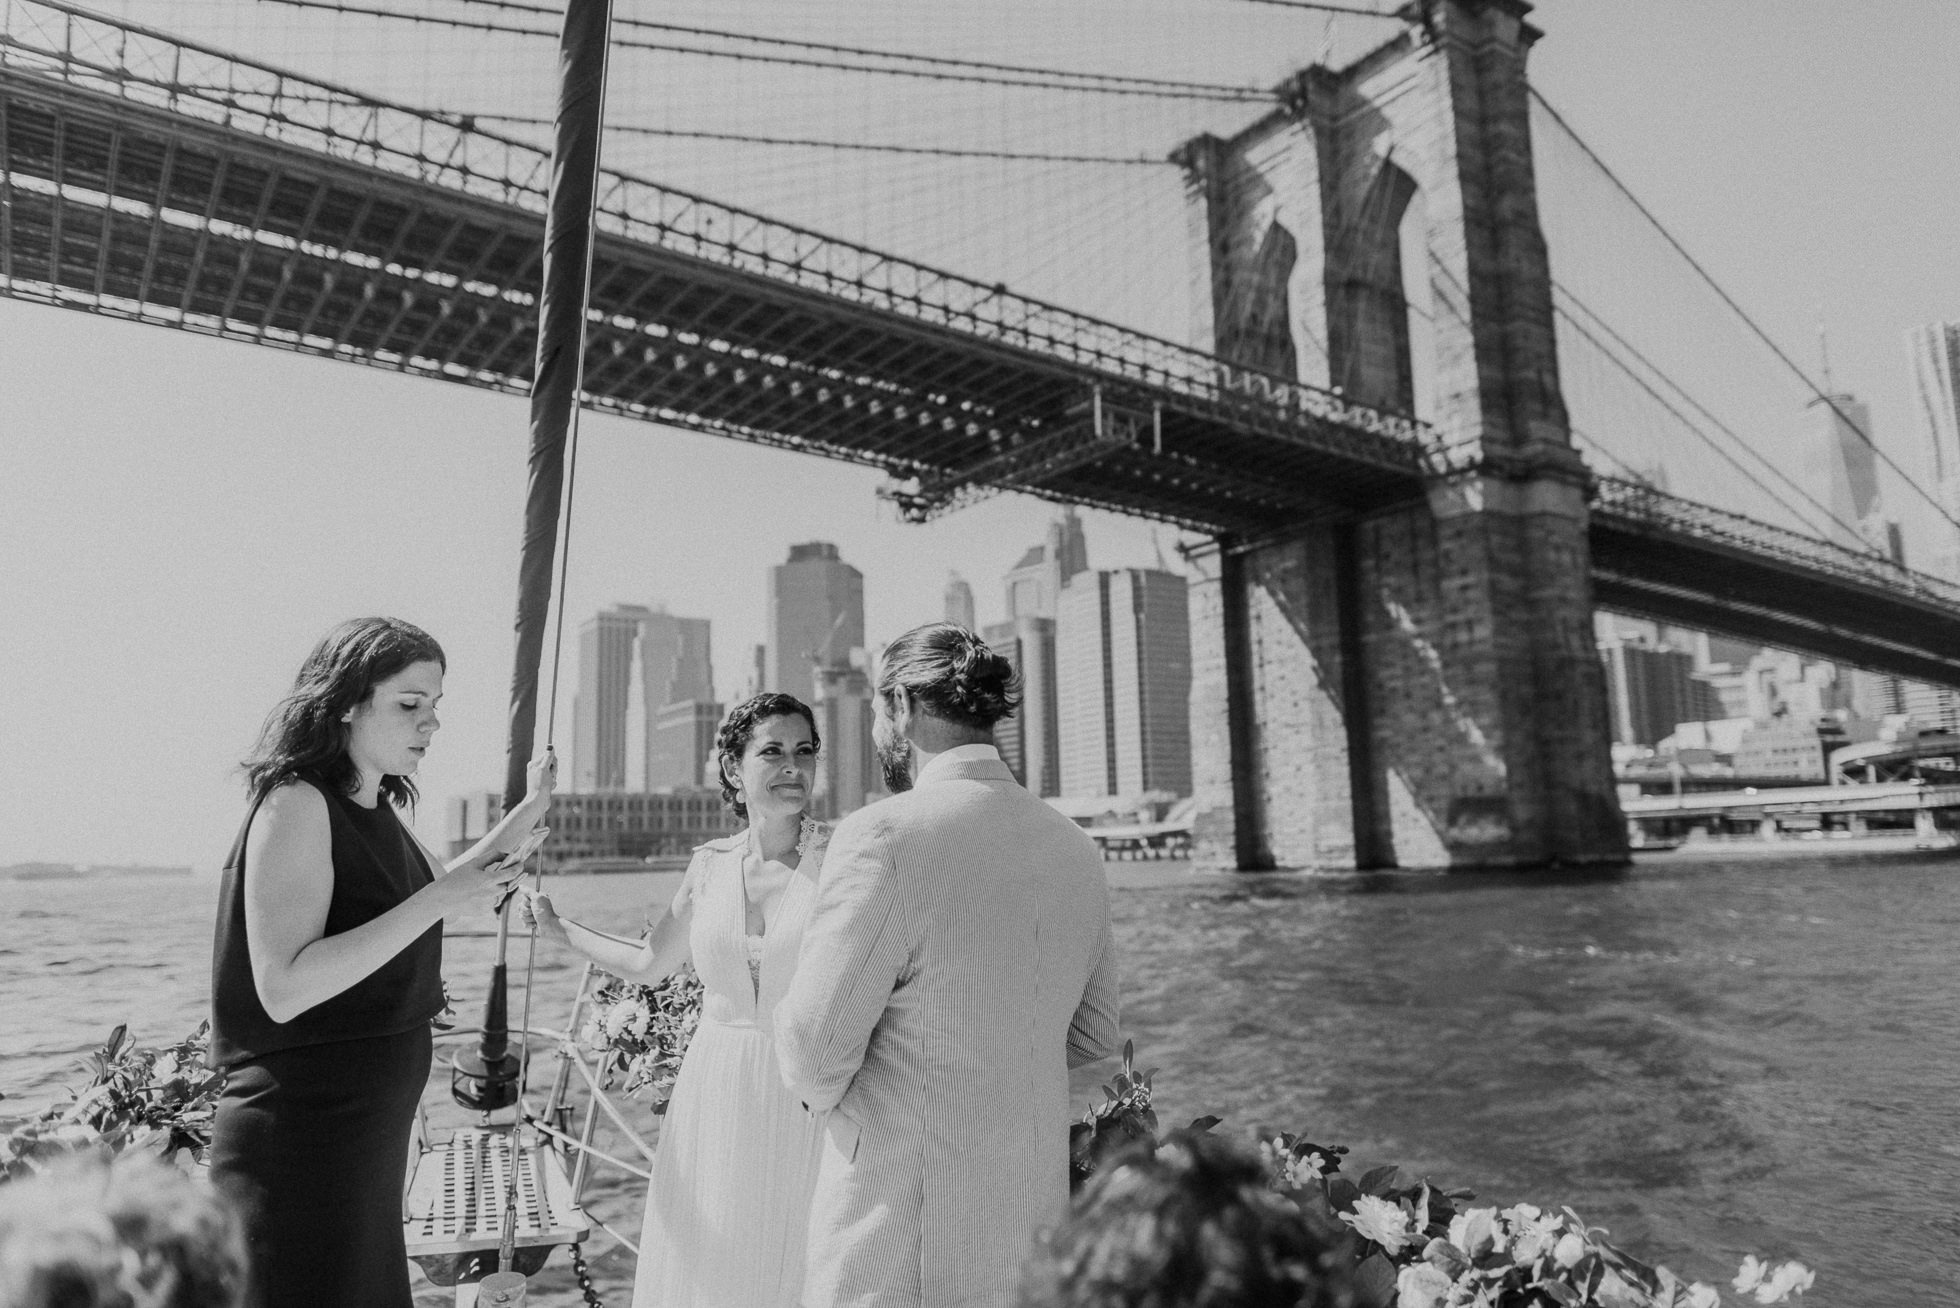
[(1683, 419), (1320, 6), (873, 147), (1747, 321), (942, 60), (1698, 407), (1196, 92)]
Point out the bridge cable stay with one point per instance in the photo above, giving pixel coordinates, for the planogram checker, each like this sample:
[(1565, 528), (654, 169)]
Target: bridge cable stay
[(1755, 329), (1613, 354), (1046, 79)]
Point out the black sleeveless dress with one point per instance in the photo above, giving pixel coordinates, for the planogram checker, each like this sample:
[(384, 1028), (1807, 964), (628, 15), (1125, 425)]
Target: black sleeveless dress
[(311, 1137)]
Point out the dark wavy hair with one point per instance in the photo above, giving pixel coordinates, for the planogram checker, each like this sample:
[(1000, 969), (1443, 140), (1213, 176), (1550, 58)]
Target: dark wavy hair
[(738, 729), (953, 673), (304, 739), (1194, 1225)]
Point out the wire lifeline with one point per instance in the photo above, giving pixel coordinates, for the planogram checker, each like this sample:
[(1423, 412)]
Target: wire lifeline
[(1740, 312), (875, 147)]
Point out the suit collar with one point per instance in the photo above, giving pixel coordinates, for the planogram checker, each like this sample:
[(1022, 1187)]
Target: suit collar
[(965, 763)]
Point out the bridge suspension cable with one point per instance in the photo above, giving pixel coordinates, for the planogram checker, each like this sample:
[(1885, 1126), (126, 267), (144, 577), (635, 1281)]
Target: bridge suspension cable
[(1755, 329), (981, 74), (1612, 353)]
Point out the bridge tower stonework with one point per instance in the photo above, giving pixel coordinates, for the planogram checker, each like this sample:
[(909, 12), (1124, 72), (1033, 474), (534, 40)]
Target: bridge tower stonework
[(1413, 686)]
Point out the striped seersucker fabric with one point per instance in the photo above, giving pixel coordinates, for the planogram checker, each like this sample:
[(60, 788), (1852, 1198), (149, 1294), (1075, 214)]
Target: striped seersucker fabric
[(957, 962)]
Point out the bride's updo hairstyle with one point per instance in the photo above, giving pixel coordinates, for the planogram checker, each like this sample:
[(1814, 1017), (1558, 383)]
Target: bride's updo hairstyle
[(952, 673)]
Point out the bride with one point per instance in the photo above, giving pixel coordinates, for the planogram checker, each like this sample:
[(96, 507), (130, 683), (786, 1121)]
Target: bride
[(730, 1196)]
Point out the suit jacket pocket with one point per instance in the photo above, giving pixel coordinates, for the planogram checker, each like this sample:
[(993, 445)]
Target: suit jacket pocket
[(842, 1131)]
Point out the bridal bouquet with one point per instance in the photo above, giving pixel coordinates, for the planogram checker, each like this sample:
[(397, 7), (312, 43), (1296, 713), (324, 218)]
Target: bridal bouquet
[(639, 1032), (1416, 1246), (160, 1100)]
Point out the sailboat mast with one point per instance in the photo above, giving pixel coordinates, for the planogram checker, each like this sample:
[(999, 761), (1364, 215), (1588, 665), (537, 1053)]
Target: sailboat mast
[(568, 242)]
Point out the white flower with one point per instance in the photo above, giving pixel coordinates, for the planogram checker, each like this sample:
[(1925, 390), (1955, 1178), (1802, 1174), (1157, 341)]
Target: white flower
[(1380, 1221), (1475, 1232), (1568, 1251), (1791, 1278), (1751, 1274), (1703, 1296), (1422, 1286), (1534, 1237)]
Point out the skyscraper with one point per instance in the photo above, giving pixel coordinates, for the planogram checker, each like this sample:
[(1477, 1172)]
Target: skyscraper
[(671, 656), (1935, 353), (1123, 683), (959, 601), (1030, 742), (605, 673), (1844, 464), (678, 681), (815, 619), (847, 766)]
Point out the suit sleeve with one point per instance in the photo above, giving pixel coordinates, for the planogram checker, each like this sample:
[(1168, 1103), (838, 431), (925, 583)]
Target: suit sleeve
[(1092, 1033), (854, 949)]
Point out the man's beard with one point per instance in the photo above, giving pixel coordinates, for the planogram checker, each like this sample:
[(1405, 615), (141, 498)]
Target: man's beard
[(895, 759)]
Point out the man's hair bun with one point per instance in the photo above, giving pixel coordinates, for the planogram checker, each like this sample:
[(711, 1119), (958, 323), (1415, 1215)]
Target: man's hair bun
[(953, 673)]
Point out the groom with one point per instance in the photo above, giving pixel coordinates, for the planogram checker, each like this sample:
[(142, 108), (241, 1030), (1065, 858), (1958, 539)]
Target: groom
[(956, 965)]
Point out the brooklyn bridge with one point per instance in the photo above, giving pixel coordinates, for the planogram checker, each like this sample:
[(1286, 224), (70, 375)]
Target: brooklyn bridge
[(1392, 625)]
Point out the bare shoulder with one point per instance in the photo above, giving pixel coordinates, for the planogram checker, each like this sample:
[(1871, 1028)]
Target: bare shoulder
[(292, 809)]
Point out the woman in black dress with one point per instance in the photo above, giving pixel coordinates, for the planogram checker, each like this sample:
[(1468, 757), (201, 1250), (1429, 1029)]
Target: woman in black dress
[(328, 967)]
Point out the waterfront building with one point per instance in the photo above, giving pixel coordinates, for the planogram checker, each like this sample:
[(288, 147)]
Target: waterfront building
[(1030, 741), (1934, 351), (847, 768), (1123, 683), (1652, 690), (617, 827), (468, 818), (959, 602), (1795, 748), (815, 618)]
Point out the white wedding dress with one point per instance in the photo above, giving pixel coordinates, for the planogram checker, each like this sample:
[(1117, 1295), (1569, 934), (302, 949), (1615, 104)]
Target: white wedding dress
[(729, 1203)]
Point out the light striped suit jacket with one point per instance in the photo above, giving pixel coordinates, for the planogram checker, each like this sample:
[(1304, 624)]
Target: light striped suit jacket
[(956, 964)]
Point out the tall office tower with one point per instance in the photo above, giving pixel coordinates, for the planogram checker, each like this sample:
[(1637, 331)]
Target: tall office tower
[(1844, 466), (678, 680), (816, 617), (1034, 583), (680, 744), (847, 768), (959, 601), (1030, 741), (1935, 354), (605, 674), (1650, 690), (1123, 683)]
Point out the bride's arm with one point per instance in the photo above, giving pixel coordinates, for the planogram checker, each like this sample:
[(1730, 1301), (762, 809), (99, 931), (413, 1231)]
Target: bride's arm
[(657, 954)]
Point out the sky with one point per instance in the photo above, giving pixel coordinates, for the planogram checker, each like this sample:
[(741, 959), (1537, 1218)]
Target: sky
[(181, 517)]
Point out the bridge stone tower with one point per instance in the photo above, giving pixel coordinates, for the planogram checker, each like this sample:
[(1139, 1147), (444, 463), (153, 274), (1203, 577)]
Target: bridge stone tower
[(1415, 687)]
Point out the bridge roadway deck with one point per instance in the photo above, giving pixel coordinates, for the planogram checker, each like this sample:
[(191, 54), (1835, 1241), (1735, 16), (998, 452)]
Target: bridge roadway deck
[(701, 316), (282, 212)]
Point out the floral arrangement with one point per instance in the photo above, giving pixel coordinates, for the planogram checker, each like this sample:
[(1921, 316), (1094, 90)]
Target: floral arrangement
[(1416, 1246), (639, 1032), (161, 1100)]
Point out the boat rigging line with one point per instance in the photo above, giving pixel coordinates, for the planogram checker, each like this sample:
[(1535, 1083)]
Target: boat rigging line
[(1040, 79)]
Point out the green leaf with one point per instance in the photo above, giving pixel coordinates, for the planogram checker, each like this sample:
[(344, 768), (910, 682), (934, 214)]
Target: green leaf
[(1378, 1181), (1204, 1123), (1374, 1282), (1342, 1193)]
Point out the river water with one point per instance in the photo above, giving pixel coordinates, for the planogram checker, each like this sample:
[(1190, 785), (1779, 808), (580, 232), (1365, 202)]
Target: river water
[(1707, 1058)]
